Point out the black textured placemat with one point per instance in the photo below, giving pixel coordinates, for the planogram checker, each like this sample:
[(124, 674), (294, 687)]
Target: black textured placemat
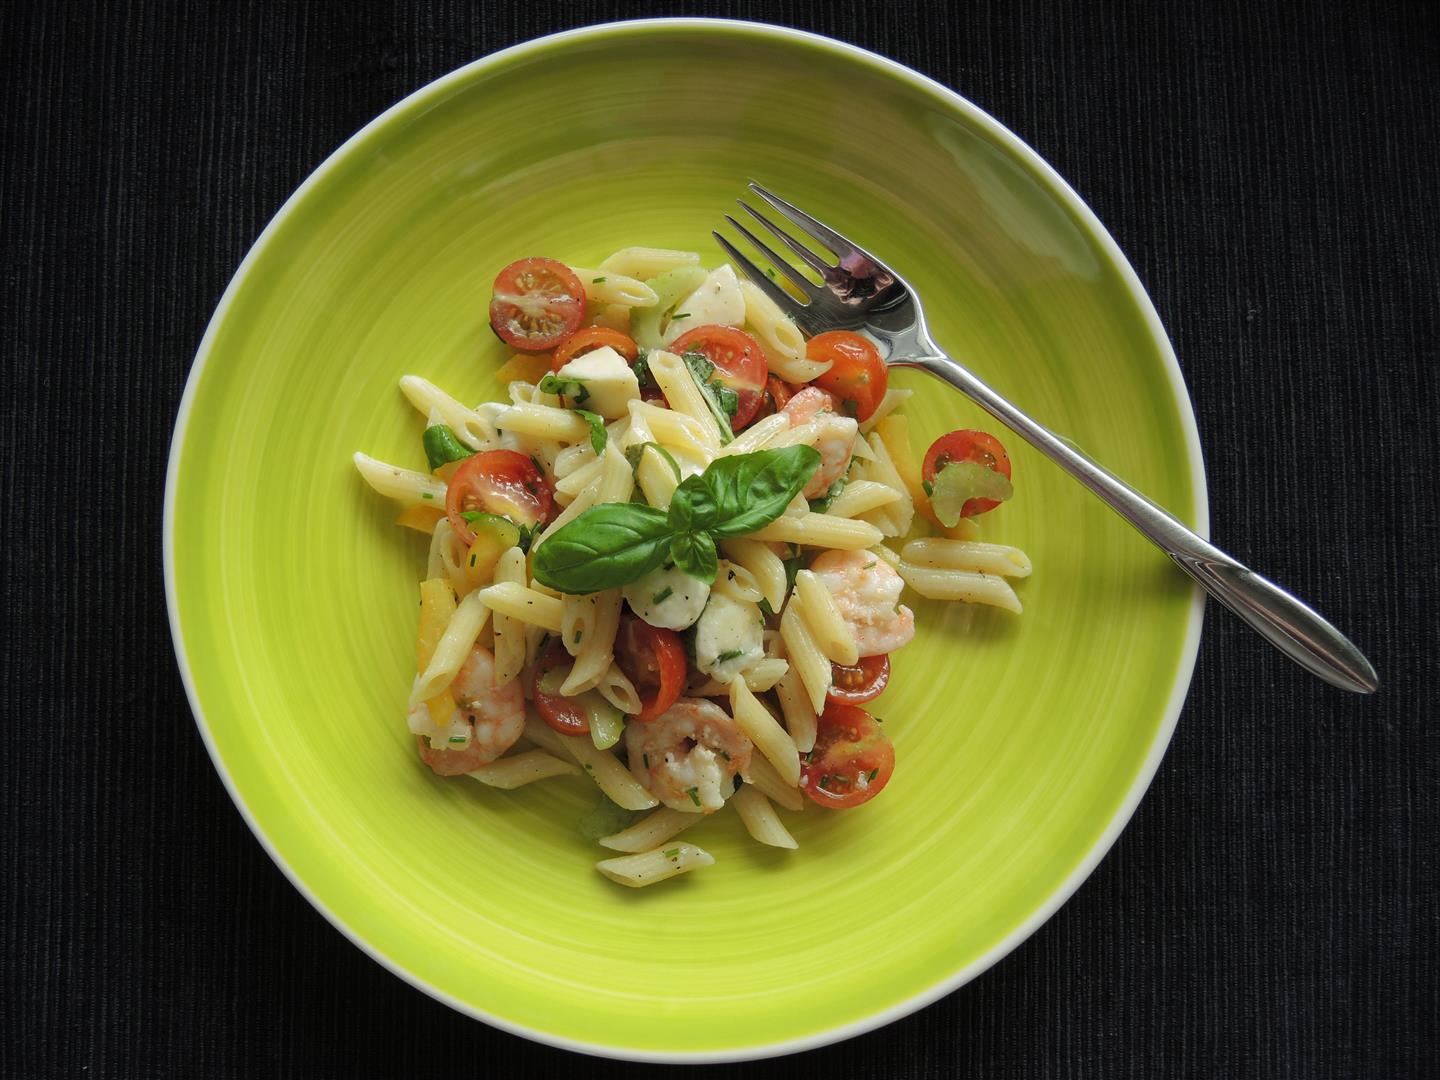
[(1270, 170)]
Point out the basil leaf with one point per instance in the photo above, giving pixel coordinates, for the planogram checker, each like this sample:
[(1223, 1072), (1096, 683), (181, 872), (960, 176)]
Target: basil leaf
[(441, 446), (959, 482), (820, 505), (634, 454), (693, 506), (641, 367), (575, 389), (606, 546), (702, 371), (752, 490), (694, 552), (597, 429)]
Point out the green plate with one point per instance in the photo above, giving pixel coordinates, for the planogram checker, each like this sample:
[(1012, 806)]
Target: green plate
[(1023, 744)]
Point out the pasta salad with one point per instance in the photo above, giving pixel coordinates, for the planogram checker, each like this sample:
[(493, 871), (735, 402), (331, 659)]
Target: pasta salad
[(672, 561)]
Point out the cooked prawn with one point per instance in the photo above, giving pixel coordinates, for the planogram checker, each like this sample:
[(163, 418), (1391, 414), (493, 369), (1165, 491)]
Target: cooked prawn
[(492, 717), (833, 436), (867, 591), (688, 756)]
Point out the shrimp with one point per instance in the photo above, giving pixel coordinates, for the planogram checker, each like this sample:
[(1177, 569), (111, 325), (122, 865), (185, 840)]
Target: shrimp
[(493, 717), (688, 756), (833, 436), (867, 590)]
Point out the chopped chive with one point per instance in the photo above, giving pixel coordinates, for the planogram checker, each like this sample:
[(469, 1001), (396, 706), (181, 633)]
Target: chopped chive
[(427, 495), (458, 738), (672, 853), (663, 595), (869, 564), (694, 796), (679, 315), (873, 773), (646, 759), (596, 281), (723, 754), (577, 636), (473, 559), (729, 654)]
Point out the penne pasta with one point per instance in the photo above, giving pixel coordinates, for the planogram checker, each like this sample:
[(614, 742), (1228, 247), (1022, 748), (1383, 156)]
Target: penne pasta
[(588, 626), (616, 479), (858, 496), (736, 582), (452, 650), (523, 604), (892, 400), (638, 871), (647, 262), (616, 688), (827, 626), (805, 655), (610, 287), (601, 766), (757, 436), (510, 637), (763, 775), (760, 818), (578, 505), (469, 426), (936, 584), (404, 485), (967, 555), (778, 335), (517, 770), (651, 831), (894, 519), (798, 710), (764, 731), (764, 566), (821, 530), (759, 677), (683, 395), (544, 422)]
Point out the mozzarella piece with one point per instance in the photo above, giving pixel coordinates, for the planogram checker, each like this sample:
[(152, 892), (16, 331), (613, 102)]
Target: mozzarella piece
[(718, 301), (732, 629), (608, 378), (668, 597)]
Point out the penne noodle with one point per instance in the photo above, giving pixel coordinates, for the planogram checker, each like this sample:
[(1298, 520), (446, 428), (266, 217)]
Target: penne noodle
[(510, 643), (967, 555), (778, 335), (647, 262), (736, 582), (469, 426), (590, 639), (578, 505), (517, 770), (404, 485), (764, 566), (760, 818), (577, 481), (651, 831), (683, 395), (759, 677), (799, 713), (938, 584), (609, 287), (822, 618), (616, 688), (765, 731), (892, 400), (638, 871), (522, 603), (601, 766), (757, 436), (452, 650), (675, 430), (616, 480), (858, 496), (896, 518), (763, 775), (656, 478), (821, 530), (544, 422), (805, 655)]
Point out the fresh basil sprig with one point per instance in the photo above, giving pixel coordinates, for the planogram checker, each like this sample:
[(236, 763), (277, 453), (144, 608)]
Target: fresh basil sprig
[(441, 446), (598, 436), (574, 389), (721, 400), (616, 543)]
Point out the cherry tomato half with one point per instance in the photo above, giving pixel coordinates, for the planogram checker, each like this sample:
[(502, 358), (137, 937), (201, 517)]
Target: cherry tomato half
[(852, 760), (653, 659), (536, 304), (857, 375), (500, 482), (780, 392), (562, 713), (855, 684), (593, 337), (966, 445), (739, 364)]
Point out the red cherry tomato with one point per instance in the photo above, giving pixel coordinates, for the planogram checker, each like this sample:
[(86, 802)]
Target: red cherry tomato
[(857, 375), (654, 660), (855, 684), (562, 713), (536, 304), (500, 482), (593, 337), (739, 364), (780, 392), (852, 760), (965, 445)]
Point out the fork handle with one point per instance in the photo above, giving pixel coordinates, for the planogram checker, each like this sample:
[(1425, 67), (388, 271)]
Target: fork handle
[(1287, 623)]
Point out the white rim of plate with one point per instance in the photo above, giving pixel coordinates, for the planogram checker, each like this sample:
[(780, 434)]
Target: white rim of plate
[(974, 114)]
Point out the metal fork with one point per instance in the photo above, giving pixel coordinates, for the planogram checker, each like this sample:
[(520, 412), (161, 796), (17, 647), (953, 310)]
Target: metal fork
[(861, 293)]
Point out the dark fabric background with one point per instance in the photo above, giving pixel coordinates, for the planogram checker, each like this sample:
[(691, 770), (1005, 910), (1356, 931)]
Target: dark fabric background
[(1270, 170)]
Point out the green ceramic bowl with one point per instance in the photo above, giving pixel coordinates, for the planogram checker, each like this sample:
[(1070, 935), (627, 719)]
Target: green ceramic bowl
[(1023, 744)]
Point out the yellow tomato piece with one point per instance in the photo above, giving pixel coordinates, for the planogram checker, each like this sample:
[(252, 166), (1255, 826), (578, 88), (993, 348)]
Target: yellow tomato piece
[(421, 518), (528, 367), (437, 605)]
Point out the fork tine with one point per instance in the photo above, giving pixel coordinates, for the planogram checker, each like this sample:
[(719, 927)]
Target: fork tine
[(803, 253), (787, 303), (838, 245), (800, 281)]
